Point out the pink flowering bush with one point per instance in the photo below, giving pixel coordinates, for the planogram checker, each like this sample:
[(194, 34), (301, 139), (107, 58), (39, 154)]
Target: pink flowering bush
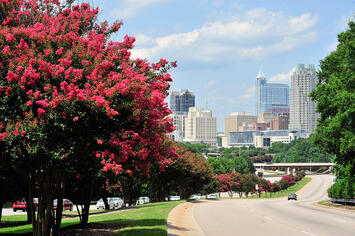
[(229, 182), (69, 95)]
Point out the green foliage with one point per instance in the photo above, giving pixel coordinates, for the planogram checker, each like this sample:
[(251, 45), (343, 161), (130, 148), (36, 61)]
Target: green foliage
[(300, 150), (250, 151), (248, 183), (241, 165), (196, 147), (278, 147), (217, 165), (229, 162), (335, 98), (343, 189)]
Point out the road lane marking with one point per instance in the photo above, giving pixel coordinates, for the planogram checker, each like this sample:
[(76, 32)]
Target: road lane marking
[(305, 232), (268, 218), (341, 221)]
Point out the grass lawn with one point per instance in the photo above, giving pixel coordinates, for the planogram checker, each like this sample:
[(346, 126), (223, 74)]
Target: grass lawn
[(149, 219), (336, 205), (284, 193)]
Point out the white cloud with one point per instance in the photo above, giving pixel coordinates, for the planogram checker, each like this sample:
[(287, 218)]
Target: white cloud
[(282, 77), (332, 47), (249, 93), (211, 84), (255, 35), (218, 3), (236, 6), (129, 8)]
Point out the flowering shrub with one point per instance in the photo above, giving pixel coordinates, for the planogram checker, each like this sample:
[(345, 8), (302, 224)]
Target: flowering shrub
[(229, 182)]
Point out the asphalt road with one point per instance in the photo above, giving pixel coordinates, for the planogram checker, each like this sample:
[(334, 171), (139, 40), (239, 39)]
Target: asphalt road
[(272, 217)]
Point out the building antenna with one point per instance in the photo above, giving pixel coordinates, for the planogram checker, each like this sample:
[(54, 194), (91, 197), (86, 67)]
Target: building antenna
[(206, 104)]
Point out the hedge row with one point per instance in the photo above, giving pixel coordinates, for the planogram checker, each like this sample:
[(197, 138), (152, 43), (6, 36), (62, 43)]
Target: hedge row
[(343, 189)]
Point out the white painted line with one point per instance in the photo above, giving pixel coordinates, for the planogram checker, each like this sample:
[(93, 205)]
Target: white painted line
[(268, 218), (308, 233), (341, 221)]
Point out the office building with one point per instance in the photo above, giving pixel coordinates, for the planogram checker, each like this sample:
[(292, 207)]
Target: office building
[(238, 121), (181, 101), (280, 122), (265, 117), (271, 97), (200, 126), (179, 123), (303, 114)]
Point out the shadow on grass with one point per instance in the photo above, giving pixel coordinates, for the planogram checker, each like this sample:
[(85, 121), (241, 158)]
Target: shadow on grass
[(4, 224), (197, 201), (130, 222), (144, 231), (106, 227)]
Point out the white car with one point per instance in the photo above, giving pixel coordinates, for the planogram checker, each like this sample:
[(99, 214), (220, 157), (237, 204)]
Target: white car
[(101, 205), (117, 202), (213, 195), (195, 196), (174, 198), (113, 202), (142, 200)]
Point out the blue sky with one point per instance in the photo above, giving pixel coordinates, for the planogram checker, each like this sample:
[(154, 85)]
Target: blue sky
[(221, 44)]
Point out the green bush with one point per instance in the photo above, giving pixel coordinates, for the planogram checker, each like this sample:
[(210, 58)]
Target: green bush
[(343, 189)]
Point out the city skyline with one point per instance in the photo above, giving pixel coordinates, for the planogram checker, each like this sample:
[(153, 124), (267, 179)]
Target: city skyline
[(220, 44)]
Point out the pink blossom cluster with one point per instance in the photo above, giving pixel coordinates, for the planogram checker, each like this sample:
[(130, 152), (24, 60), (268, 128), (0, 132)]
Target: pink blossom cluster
[(54, 60)]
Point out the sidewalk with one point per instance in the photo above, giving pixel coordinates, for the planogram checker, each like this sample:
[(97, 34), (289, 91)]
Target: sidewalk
[(181, 221)]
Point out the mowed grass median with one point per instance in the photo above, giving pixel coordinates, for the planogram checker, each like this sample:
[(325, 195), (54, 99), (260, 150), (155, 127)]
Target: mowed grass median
[(149, 219)]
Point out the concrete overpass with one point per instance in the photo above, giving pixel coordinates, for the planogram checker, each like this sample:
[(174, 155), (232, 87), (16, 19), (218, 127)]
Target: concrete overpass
[(290, 166)]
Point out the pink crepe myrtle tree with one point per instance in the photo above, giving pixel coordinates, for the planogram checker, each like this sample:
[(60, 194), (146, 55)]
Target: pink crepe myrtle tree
[(67, 94)]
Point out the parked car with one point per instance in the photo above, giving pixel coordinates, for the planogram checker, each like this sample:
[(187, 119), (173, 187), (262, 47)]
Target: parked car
[(142, 200), (113, 203), (21, 205), (67, 204), (213, 195), (195, 196), (292, 196), (174, 198), (117, 202)]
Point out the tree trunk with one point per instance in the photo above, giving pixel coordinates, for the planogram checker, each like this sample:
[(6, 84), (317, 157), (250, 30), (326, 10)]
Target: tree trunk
[(85, 213), (47, 188), (1, 204), (85, 210), (58, 214), (30, 205), (107, 207), (44, 217)]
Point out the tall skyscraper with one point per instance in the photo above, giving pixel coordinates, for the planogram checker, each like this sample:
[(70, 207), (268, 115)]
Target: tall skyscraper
[(271, 97), (303, 114), (200, 126), (181, 101)]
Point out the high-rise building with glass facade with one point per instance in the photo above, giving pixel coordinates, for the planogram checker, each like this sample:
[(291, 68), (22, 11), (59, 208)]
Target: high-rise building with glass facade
[(271, 97), (181, 101), (303, 114)]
